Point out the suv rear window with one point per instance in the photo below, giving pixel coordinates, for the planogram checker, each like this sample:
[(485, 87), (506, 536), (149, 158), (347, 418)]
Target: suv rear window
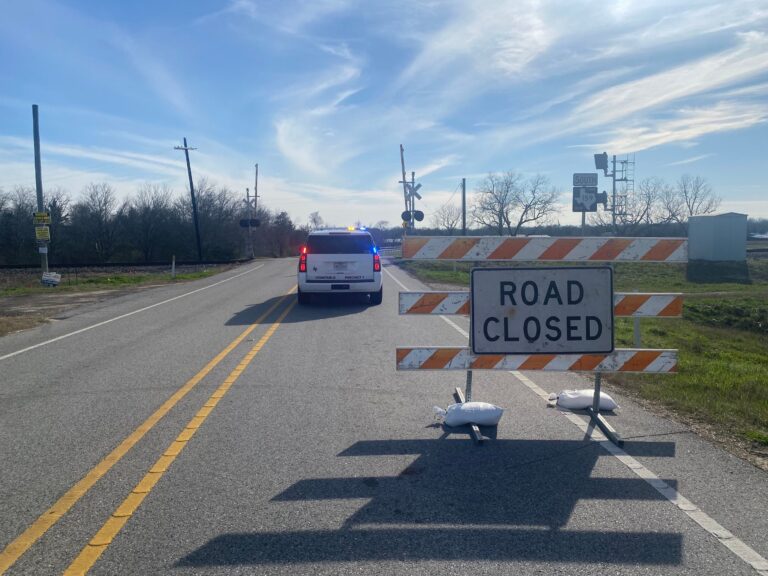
[(340, 244)]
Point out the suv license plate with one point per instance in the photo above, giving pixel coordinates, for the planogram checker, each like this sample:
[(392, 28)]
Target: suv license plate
[(339, 265)]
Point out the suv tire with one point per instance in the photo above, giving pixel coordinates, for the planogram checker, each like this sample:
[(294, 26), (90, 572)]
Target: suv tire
[(377, 296), (302, 298)]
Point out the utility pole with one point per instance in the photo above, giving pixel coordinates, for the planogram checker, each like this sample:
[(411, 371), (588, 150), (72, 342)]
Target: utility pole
[(43, 248), (256, 188), (463, 206), (194, 202), (250, 219)]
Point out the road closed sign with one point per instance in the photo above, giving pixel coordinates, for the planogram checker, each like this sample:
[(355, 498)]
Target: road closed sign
[(542, 310)]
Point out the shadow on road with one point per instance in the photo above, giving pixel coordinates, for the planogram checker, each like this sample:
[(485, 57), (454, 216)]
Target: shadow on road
[(508, 500), (322, 308)]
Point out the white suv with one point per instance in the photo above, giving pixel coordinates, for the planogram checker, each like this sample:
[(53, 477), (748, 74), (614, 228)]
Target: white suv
[(339, 262)]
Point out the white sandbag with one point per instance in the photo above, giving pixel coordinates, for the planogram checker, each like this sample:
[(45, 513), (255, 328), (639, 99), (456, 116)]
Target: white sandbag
[(581, 399), (480, 413)]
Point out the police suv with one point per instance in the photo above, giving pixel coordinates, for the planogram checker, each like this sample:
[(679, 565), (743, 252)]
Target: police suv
[(338, 262)]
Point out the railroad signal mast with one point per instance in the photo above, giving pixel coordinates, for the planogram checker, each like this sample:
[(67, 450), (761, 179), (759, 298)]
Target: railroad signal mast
[(410, 192), (624, 175), (251, 203)]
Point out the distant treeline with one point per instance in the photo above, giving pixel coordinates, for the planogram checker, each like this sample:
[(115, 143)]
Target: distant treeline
[(153, 225)]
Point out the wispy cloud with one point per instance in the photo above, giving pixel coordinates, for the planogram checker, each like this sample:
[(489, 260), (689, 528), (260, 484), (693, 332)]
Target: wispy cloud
[(690, 160), (289, 17), (686, 125), (151, 165), (747, 60), (491, 38), (437, 164), (154, 72)]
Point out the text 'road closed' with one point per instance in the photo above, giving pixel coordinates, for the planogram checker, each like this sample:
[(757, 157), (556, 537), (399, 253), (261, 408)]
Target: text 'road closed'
[(542, 310)]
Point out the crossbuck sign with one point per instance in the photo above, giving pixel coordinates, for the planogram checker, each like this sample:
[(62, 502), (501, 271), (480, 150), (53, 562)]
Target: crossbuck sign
[(542, 310)]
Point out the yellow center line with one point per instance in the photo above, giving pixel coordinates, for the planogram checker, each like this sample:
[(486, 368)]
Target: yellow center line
[(35, 531), (111, 528)]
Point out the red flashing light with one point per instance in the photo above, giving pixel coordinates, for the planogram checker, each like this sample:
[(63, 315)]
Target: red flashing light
[(376, 263)]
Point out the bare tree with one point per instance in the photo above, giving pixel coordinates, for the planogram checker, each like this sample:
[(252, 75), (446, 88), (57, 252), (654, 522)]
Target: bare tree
[(533, 200), (447, 217), (641, 209), (315, 221), (149, 212), (100, 202), (57, 201), (693, 196), (495, 196), (219, 210), (282, 228), (507, 201), (17, 235)]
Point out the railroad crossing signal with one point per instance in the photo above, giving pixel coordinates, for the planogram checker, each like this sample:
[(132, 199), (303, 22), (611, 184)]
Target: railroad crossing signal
[(417, 215)]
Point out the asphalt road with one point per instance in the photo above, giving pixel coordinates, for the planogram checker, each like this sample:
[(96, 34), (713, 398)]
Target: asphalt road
[(300, 450)]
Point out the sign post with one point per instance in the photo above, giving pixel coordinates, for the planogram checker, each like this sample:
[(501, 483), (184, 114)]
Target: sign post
[(585, 195)]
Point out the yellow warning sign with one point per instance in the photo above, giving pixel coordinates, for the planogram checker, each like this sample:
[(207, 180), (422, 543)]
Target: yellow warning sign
[(42, 233), (42, 218)]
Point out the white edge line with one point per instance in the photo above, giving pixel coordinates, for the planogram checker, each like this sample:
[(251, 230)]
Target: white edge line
[(726, 538), (116, 318), (458, 328)]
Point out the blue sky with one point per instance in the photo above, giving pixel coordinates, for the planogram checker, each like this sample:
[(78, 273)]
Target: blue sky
[(321, 95)]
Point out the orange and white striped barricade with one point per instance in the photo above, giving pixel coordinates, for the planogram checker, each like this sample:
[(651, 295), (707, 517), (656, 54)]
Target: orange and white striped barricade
[(522, 318), (514, 249), (625, 304)]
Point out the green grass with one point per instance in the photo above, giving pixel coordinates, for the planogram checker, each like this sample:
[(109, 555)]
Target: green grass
[(722, 340), (722, 374), (28, 284), (758, 437), (629, 276)]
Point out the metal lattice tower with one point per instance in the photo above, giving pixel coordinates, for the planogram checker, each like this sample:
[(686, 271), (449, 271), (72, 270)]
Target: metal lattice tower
[(625, 173)]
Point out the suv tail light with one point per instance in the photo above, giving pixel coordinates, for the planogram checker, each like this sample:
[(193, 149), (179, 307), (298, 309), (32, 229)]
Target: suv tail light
[(303, 260), (376, 263)]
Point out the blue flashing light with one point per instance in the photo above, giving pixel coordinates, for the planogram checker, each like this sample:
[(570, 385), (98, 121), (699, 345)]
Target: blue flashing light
[(363, 228), (375, 250)]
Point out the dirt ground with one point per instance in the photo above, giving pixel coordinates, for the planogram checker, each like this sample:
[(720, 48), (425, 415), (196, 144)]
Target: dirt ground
[(25, 311)]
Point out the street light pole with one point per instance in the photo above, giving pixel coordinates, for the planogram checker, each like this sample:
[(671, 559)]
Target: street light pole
[(194, 202)]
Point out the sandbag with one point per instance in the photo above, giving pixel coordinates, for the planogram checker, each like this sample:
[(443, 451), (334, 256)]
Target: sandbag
[(582, 399), (479, 413)]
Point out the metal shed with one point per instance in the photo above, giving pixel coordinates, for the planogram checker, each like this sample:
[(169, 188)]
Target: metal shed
[(720, 237)]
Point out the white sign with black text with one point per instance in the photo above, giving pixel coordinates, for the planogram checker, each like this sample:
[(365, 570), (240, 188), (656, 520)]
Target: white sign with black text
[(585, 179), (555, 310)]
